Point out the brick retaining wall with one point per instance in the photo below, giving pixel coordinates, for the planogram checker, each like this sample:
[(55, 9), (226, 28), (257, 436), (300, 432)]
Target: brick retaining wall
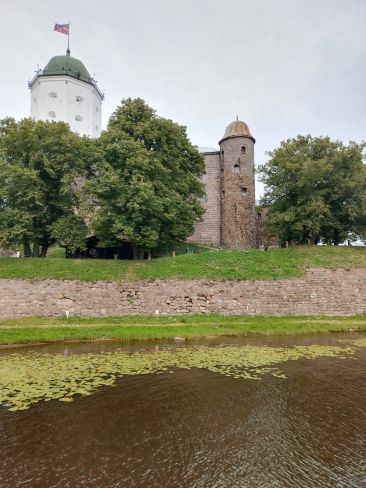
[(321, 291)]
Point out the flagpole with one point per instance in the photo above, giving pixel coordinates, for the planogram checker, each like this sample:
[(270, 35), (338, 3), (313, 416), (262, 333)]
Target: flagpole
[(68, 39)]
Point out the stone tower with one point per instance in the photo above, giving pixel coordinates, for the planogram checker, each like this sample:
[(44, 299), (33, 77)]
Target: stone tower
[(65, 91), (237, 185)]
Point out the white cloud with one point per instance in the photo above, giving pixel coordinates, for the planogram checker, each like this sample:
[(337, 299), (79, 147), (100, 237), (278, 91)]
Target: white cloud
[(284, 66)]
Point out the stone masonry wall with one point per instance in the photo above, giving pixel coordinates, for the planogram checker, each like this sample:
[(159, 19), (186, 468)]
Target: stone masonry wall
[(208, 230), (238, 193), (321, 291), (262, 237)]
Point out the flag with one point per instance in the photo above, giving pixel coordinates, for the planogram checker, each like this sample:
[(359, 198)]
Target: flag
[(63, 28)]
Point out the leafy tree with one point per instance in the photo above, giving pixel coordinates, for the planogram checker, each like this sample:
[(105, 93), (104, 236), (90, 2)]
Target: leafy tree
[(39, 164), (316, 190), (146, 188), (70, 231)]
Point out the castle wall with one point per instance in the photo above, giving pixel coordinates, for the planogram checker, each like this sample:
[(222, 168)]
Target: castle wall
[(238, 193), (263, 239), (230, 217), (208, 230), (320, 291)]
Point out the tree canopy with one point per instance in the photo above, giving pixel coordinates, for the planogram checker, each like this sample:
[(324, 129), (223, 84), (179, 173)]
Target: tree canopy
[(39, 166), (145, 189), (316, 190), (138, 182)]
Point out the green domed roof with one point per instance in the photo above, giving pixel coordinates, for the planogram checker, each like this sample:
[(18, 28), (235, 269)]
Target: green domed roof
[(67, 65)]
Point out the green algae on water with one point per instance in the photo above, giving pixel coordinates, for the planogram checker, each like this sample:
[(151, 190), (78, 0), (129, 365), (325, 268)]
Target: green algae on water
[(26, 379), (353, 342)]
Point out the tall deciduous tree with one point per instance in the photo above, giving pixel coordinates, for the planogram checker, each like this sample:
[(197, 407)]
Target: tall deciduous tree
[(316, 190), (147, 187), (39, 164)]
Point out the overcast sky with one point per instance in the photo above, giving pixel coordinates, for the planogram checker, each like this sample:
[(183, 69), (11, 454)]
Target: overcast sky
[(283, 66)]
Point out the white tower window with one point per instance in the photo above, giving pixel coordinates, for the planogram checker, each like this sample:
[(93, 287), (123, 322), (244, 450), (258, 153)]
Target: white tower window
[(53, 94), (236, 168), (52, 114), (78, 118), (78, 98)]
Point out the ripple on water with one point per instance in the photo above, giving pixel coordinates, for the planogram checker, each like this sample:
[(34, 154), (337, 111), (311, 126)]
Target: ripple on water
[(187, 427), (28, 378)]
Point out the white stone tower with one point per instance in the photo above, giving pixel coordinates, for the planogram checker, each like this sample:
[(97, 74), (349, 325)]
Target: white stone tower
[(65, 91)]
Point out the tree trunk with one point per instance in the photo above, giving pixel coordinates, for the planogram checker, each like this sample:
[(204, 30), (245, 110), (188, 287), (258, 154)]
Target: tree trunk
[(313, 240), (134, 252), (148, 255), (35, 253), (44, 250), (27, 250)]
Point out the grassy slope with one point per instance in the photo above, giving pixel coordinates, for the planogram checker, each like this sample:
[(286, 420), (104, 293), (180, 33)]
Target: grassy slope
[(42, 329), (212, 265)]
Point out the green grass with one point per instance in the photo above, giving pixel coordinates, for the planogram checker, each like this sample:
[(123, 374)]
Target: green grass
[(56, 252), (211, 265), (43, 329)]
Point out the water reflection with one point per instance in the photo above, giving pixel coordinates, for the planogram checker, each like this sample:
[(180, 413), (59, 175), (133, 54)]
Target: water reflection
[(197, 429)]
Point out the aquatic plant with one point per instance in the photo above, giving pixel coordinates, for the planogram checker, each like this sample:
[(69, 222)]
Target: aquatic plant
[(29, 378)]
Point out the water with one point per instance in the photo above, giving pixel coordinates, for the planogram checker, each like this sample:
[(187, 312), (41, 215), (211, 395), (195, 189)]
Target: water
[(198, 429)]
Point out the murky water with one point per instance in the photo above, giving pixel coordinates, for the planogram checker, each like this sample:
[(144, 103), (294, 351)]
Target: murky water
[(197, 428)]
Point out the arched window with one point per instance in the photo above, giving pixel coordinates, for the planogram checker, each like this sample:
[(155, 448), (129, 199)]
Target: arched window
[(236, 168), (243, 149), (52, 114), (78, 118), (244, 190)]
